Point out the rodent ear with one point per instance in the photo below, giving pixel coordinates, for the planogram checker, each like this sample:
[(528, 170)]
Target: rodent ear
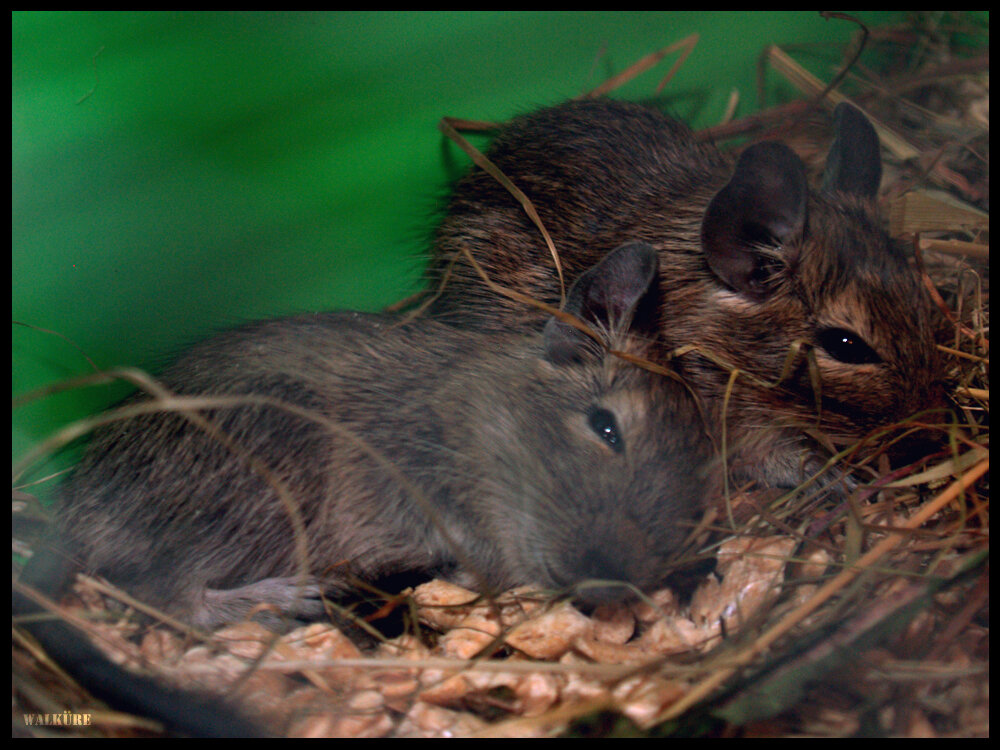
[(763, 205), (615, 296), (854, 164)]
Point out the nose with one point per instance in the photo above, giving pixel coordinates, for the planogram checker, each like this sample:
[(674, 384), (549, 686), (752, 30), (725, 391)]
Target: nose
[(601, 578)]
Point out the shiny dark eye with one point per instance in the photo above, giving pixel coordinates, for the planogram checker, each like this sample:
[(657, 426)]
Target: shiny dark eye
[(847, 346), (603, 423)]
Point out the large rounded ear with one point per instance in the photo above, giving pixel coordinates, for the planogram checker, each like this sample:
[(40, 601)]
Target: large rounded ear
[(763, 206), (854, 164), (615, 297)]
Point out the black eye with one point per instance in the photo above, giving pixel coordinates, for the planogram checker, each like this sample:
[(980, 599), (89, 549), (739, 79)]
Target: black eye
[(847, 346), (603, 423)]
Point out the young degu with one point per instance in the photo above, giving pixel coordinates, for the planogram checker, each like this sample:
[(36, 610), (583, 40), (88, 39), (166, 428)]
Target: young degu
[(498, 458), (757, 270), (354, 446)]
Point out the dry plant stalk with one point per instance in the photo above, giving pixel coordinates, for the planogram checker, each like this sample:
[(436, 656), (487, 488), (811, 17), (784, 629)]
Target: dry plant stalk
[(685, 46), (811, 86)]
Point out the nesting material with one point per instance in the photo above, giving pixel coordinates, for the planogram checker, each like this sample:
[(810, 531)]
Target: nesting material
[(817, 619)]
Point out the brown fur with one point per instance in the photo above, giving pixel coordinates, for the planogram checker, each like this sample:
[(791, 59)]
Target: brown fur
[(600, 173), (404, 447)]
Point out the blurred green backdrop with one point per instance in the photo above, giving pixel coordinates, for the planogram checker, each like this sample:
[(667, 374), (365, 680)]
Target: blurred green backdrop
[(174, 173)]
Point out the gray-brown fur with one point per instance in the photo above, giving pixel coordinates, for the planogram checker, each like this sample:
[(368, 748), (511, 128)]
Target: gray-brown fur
[(491, 428), (752, 262)]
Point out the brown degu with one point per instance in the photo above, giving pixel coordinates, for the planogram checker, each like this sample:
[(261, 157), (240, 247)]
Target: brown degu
[(796, 290), (373, 446)]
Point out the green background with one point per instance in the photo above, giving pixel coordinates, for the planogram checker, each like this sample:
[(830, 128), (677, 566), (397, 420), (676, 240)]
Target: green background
[(175, 173)]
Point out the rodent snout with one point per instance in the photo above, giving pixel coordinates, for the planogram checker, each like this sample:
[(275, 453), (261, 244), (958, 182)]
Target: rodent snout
[(602, 578), (606, 570)]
